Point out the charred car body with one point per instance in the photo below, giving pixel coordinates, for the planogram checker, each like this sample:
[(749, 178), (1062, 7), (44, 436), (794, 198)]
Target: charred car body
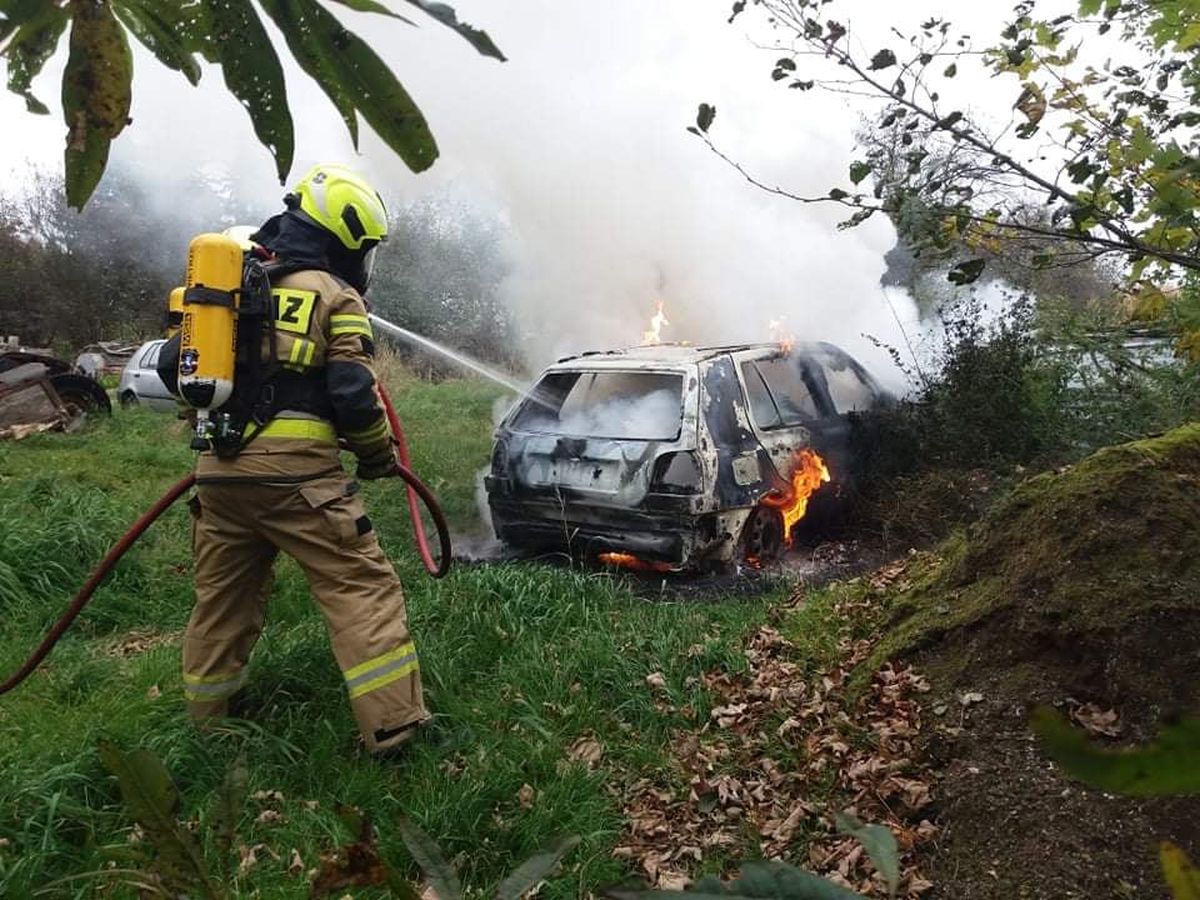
[(676, 456)]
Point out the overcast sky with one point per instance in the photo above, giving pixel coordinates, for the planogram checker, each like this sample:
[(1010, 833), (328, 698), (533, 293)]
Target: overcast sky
[(579, 142)]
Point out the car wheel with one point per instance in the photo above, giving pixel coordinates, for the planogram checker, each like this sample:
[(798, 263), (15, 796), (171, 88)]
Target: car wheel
[(128, 399), (762, 536)]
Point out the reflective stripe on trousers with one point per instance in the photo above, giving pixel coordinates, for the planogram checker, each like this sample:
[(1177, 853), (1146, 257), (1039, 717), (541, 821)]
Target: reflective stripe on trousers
[(382, 670), (212, 687)]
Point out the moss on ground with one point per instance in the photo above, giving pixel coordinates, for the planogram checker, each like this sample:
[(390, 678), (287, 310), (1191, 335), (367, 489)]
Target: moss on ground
[(1093, 571)]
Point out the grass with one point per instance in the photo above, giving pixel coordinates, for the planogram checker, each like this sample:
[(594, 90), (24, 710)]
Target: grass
[(519, 661)]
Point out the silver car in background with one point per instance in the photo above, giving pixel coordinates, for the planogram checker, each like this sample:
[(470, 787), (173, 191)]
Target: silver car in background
[(140, 384)]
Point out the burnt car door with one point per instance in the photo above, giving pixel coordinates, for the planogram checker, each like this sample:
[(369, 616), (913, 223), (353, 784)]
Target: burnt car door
[(853, 400), (817, 397), (788, 409)]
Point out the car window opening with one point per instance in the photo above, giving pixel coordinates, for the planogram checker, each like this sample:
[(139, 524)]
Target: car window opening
[(778, 392), (638, 406)]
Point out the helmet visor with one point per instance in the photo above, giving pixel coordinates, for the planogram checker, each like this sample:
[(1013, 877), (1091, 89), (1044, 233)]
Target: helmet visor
[(368, 266)]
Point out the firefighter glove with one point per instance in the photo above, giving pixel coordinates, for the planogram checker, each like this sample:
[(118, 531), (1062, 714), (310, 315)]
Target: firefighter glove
[(378, 465)]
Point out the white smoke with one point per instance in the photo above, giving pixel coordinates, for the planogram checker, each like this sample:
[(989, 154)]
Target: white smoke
[(579, 141), (654, 416)]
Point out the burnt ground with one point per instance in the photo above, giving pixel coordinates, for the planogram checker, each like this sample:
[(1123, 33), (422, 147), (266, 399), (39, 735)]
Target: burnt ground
[(808, 565), (805, 566)]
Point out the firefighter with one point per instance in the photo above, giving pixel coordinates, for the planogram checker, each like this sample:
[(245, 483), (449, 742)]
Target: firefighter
[(285, 489)]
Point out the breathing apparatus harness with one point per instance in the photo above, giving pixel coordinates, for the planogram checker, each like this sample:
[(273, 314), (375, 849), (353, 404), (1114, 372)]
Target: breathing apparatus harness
[(262, 386), (247, 391)]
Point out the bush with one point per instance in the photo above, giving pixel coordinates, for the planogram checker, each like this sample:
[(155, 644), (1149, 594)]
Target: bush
[(1030, 390)]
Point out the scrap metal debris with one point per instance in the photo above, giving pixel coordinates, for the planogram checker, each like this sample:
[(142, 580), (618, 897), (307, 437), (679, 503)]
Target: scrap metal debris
[(40, 393)]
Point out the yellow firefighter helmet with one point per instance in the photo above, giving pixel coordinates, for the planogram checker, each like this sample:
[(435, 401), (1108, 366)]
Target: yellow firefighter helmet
[(342, 202)]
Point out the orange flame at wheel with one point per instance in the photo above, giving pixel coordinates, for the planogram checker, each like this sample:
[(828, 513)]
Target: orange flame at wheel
[(810, 473), (636, 563)]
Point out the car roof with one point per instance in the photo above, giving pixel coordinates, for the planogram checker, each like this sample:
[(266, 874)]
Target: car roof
[(656, 356)]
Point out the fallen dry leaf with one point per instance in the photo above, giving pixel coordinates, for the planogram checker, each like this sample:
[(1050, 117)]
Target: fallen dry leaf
[(153, 692), (586, 750), (1098, 721), (136, 642), (270, 817), (296, 866), (249, 856), (526, 795), (672, 881), (657, 681)]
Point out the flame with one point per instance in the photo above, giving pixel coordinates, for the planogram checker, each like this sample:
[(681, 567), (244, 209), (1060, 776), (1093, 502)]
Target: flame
[(657, 321), (781, 334), (636, 563), (810, 473)]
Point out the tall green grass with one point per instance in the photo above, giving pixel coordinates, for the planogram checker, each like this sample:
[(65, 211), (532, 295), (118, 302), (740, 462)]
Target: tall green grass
[(519, 662)]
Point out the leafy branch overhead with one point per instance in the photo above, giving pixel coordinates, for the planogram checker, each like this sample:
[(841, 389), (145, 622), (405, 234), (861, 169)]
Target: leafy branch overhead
[(1115, 169), (97, 83)]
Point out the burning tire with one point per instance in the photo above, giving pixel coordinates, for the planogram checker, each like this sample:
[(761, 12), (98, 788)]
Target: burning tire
[(763, 538)]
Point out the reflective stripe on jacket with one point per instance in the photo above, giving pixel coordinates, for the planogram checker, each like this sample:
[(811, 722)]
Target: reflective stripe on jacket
[(321, 327)]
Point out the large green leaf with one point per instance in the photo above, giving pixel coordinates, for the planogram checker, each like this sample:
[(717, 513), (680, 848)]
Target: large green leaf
[(758, 881), (15, 13), (227, 810), (315, 57), (880, 844), (151, 798), (526, 876), (375, 7), (159, 34), (1181, 876), (234, 36), (1170, 765), (37, 32), (96, 95), (445, 14), (352, 74), (428, 855)]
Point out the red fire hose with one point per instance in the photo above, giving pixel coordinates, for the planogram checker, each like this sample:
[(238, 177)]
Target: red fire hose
[(416, 489)]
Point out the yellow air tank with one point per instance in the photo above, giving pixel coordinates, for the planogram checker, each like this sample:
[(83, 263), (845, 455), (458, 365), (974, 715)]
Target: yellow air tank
[(174, 312), (208, 332)]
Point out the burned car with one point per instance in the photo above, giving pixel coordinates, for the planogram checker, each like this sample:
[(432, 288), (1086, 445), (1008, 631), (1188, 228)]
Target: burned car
[(672, 457)]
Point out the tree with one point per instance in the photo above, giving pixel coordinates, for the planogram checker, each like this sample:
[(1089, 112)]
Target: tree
[(441, 277), (1068, 272), (1120, 175), (72, 278), (97, 89)]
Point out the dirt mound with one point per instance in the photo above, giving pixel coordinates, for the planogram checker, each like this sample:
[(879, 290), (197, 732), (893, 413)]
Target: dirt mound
[(1081, 589)]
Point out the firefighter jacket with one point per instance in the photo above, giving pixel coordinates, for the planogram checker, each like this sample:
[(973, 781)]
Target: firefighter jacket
[(323, 348)]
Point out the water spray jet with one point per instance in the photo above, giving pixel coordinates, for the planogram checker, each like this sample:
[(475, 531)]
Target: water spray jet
[(460, 359)]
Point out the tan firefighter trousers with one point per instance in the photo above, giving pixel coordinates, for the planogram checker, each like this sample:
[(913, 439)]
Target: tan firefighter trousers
[(323, 526)]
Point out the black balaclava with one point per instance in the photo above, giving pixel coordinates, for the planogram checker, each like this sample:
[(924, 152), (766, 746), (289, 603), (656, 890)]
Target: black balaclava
[(298, 241)]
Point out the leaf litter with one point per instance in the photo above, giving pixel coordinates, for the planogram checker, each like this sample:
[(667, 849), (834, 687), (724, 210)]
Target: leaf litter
[(783, 757)]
